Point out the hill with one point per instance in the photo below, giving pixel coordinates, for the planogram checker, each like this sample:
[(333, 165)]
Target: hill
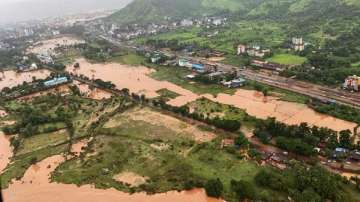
[(144, 11)]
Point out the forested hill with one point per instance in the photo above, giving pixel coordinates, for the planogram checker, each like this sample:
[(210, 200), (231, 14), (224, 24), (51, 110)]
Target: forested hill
[(144, 11)]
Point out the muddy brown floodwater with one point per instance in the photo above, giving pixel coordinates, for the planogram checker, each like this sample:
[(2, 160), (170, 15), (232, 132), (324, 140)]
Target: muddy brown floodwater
[(259, 106), (35, 187), (137, 80), (93, 93), (5, 151), (48, 46), (13, 78)]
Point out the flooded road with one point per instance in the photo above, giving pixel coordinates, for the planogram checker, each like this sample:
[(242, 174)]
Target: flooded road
[(35, 187), (13, 78), (137, 80)]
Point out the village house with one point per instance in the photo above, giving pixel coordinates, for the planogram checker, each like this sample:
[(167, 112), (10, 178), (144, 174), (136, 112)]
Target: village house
[(253, 51), (352, 83), (241, 49), (355, 156)]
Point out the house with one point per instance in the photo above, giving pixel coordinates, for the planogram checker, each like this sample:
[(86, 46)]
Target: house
[(355, 155), (241, 49), (183, 62), (339, 152), (352, 83), (186, 23), (235, 83), (33, 66), (214, 75), (198, 67), (298, 44), (156, 57), (190, 76), (56, 81)]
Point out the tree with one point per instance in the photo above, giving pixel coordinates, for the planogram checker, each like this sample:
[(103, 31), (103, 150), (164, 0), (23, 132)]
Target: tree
[(345, 139), (214, 188), (243, 189), (241, 140)]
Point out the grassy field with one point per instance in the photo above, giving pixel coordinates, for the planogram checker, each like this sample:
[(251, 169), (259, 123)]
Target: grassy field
[(178, 76), (129, 59), (211, 109), (134, 146), (287, 59), (41, 141), (167, 94)]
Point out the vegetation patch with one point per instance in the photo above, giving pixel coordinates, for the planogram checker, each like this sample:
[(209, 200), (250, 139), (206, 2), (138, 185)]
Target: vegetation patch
[(167, 94), (287, 59)]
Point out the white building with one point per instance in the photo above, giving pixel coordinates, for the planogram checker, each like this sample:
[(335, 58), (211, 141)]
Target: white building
[(298, 44), (241, 49)]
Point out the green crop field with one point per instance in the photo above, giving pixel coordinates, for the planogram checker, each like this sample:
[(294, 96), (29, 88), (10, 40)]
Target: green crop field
[(287, 59)]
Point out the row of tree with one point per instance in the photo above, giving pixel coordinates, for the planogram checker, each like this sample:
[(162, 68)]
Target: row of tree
[(302, 139)]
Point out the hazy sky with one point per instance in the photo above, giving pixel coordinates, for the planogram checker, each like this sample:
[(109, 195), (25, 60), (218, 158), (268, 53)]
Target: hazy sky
[(20, 10)]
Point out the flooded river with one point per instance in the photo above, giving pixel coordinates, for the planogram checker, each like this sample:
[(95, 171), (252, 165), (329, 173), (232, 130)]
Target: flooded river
[(35, 187), (137, 79), (13, 78)]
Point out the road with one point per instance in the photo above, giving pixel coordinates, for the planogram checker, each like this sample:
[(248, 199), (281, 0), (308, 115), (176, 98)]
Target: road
[(312, 90)]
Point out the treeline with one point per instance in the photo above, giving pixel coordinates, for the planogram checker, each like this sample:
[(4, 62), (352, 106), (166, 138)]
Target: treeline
[(304, 183), (340, 111), (298, 181), (303, 139), (226, 124)]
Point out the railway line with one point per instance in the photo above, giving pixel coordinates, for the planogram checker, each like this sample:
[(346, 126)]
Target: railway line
[(323, 93)]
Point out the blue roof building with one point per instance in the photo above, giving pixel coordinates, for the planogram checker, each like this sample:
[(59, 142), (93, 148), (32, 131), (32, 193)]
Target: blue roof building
[(199, 67), (56, 81)]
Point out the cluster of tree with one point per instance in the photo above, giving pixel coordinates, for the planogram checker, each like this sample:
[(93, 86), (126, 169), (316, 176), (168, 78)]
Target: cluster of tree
[(58, 66), (302, 139), (105, 84), (214, 188), (303, 183), (226, 124), (340, 111), (28, 88), (98, 50), (30, 118), (9, 58), (173, 44)]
